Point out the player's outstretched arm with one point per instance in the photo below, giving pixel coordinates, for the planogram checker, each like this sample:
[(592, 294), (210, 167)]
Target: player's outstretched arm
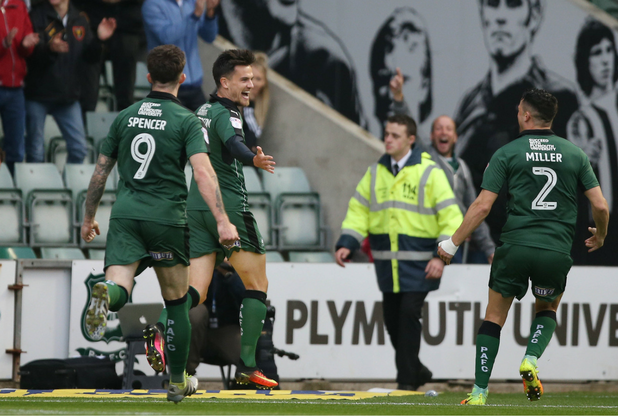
[(208, 185), (90, 227), (600, 215), (476, 214)]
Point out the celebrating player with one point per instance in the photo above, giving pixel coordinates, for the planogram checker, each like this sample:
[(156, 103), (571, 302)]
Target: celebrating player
[(542, 173)]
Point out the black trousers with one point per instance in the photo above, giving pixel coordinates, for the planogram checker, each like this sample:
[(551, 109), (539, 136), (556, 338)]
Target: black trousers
[(402, 317)]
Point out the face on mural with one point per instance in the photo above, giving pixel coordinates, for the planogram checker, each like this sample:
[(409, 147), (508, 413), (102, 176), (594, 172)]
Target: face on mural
[(601, 63), (286, 11), (507, 26)]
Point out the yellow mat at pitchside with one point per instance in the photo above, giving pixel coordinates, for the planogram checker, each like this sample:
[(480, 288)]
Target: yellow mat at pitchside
[(208, 394)]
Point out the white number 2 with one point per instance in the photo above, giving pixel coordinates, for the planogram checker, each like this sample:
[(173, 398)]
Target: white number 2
[(143, 158), (539, 202)]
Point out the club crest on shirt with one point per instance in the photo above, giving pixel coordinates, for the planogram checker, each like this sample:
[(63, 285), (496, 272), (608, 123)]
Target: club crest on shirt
[(236, 123), (79, 32)]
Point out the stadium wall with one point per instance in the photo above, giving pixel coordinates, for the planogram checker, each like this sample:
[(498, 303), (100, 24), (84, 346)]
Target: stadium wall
[(332, 318)]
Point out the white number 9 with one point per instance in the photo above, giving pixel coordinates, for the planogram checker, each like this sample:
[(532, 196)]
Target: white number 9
[(143, 158)]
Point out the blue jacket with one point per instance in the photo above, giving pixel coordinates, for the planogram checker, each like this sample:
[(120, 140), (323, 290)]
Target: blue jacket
[(165, 22)]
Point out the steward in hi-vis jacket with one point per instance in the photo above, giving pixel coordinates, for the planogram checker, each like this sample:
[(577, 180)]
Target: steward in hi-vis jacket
[(405, 205)]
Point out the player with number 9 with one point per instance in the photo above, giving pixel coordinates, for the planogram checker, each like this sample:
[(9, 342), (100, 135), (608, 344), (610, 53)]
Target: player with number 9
[(152, 140), (542, 173)]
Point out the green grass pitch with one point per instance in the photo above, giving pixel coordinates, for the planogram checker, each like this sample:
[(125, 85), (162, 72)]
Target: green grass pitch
[(577, 403)]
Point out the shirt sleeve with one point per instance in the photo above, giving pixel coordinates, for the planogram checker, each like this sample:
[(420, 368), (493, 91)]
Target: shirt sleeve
[(586, 175), (196, 136), (109, 146), (495, 173), (228, 124)]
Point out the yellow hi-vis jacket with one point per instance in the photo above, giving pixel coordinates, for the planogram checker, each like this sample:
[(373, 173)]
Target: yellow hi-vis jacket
[(405, 216)]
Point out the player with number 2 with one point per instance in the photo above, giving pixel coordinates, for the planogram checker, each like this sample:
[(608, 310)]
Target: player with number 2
[(541, 173)]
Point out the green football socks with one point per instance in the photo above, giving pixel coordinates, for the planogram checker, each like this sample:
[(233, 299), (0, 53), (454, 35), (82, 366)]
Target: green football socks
[(118, 296), (541, 331), (252, 315), (487, 344), (177, 337)]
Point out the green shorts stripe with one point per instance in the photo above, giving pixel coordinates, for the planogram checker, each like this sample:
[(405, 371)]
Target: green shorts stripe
[(515, 265), (150, 243)]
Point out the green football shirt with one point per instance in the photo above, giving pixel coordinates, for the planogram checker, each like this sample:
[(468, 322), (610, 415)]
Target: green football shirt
[(223, 121), (151, 141), (542, 173)]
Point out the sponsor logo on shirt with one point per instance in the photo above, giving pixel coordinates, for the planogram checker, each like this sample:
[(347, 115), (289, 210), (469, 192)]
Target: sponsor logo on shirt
[(147, 110), (236, 122), (540, 144), (542, 291), (158, 256)]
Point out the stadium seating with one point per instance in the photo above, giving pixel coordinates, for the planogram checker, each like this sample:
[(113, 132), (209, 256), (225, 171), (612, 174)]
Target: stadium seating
[(142, 86), (94, 254), (11, 210), (49, 205), (260, 206), (311, 257), (14, 253), (62, 253), (57, 152), (297, 210), (77, 178), (274, 257), (98, 124)]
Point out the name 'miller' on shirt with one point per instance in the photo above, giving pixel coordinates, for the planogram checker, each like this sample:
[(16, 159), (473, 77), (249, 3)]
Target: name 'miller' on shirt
[(542, 145)]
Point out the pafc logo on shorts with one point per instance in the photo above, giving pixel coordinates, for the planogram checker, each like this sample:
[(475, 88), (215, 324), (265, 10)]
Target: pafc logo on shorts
[(541, 291), (112, 331)]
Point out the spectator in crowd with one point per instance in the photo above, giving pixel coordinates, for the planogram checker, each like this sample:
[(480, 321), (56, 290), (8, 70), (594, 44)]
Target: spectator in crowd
[(259, 96), (52, 85), (594, 127), (443, 139), (402, 42), (17, 42), (405, 204), (179, 22), (123, 49)]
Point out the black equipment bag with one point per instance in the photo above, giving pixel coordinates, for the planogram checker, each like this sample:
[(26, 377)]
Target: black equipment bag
[(70, 373)]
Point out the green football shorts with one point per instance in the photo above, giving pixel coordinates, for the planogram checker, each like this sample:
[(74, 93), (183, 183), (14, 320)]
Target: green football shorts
[(151, 243), (205, 238), (514, 265)]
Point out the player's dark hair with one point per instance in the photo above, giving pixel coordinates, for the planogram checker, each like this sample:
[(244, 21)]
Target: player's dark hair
[(404, 120), (591, 34), (165, 64), (542, 104), (226, 63)]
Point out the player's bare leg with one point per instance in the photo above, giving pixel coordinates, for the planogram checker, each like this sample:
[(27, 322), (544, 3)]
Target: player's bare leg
[(251, 267)]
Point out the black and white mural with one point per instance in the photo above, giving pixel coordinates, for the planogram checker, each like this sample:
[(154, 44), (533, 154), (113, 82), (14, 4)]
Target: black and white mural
[(470, 59)]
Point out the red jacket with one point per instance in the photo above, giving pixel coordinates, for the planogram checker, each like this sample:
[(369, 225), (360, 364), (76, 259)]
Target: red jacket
[(14, 14)]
